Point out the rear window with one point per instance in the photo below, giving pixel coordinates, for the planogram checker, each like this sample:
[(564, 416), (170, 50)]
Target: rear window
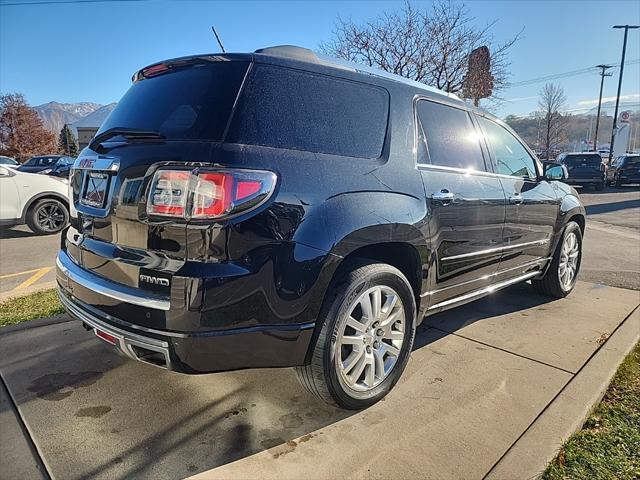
[(578, 160), (297, 110), (192, 103), (633, 161), (41, 161)]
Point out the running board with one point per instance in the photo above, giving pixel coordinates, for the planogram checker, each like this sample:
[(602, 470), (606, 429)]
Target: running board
[(483, 291)]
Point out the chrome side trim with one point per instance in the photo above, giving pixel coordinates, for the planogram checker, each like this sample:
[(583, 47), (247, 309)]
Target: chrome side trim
[(107, 288), (533, 263), (496, 249), (483, 291), (125, 340)]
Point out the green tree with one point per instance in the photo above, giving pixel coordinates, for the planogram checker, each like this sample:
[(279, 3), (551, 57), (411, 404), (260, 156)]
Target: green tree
[(67, 142)]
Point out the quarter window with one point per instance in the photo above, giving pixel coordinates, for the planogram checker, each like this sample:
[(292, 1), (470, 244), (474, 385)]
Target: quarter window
[(450, 137), (511, 157), (297, 110)]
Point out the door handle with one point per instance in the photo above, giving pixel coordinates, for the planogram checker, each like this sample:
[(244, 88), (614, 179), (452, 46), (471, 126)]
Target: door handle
[(516, 199), (444, 196)]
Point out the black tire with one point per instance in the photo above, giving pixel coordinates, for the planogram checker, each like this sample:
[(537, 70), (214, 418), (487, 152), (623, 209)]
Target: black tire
[(47, 216), (600, 186), (320, 374), (550, 283)]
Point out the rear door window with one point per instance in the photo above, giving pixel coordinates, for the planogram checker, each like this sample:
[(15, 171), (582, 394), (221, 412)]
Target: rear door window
[(449, 136), (188, 103), (298, 110)]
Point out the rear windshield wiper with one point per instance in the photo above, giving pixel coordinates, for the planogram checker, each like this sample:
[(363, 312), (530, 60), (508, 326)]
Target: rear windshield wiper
[(128, 133)]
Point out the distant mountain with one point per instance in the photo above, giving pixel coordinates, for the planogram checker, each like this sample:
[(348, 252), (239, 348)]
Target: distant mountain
[(55, 115), (95, 118)]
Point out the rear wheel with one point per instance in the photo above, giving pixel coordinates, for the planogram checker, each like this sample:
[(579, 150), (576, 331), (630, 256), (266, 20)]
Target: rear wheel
[(560, 278), (368, 327), (48, 216)]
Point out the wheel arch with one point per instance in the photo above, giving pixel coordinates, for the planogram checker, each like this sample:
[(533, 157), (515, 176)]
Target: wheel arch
[(42, 196)]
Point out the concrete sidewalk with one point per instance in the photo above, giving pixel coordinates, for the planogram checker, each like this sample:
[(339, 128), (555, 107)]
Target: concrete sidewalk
[(491, 388)]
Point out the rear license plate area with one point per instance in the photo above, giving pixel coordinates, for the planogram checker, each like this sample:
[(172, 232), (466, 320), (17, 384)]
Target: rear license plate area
[(94, 189)]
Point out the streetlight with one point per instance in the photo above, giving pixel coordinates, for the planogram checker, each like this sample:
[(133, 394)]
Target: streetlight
[(615, 115)]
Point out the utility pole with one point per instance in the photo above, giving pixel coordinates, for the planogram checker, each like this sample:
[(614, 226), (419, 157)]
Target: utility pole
[(615, 115), (218, 38), (603, 73)]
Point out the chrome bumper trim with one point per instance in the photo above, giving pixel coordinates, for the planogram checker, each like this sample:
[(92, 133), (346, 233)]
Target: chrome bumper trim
[(107, 288), (126, 340)]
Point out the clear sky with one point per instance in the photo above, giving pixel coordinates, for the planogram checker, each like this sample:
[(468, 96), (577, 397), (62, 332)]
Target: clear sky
[(72, 52)]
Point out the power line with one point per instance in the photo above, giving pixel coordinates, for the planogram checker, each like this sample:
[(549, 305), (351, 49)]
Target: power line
[(56, 2), (572, 73)]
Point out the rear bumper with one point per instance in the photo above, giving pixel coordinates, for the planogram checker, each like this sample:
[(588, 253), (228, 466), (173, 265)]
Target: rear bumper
[(584, 180), (186, 352)]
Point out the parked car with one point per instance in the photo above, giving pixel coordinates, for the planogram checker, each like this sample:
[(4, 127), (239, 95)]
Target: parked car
[(61, 168), (39, 201), (624, 169), (43, 163), (585, 169), (278, 209), (9, 162)]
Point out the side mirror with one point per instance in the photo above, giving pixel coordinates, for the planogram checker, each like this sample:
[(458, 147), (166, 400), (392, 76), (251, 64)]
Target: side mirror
[(553, 171), (6, 172)]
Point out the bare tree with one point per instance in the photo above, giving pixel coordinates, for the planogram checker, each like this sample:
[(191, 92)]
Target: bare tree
[(430, 46), (551, 103)]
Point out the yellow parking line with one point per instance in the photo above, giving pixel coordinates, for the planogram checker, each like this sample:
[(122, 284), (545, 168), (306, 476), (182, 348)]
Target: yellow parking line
[(33, 278), (17, 274)]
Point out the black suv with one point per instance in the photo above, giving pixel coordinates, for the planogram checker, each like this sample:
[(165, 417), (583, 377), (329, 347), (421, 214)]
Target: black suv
[(279, 209), (624, 169), (584, 169)]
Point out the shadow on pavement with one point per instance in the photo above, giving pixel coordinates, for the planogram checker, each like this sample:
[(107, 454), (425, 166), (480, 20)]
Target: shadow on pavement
[(18, 233), (612, 207), (512, 299), (122, 419)]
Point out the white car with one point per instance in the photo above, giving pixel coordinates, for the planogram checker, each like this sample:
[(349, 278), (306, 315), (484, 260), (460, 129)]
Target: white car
[(9, 162), (40, 201)]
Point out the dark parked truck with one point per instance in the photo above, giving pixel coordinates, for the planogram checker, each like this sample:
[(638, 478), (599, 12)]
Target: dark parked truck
[(584, 169), (278, 209)]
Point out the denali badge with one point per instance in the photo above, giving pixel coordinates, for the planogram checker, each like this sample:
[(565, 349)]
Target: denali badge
[(163, 282)]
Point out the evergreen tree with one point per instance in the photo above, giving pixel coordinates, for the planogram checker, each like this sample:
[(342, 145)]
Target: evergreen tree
[(67, 142)]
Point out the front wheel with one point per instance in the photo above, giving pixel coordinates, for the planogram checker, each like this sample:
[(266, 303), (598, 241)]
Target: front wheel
[(368, 328), (560, 278)]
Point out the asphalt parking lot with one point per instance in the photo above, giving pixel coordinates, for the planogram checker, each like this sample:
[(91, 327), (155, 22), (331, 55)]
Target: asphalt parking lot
[(490, 390)]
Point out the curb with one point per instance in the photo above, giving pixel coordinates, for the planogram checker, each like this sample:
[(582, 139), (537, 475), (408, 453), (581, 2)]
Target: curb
[(40, 322), (566, 413)]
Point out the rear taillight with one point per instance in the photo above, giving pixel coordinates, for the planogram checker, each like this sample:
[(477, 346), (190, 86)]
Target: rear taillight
[(208, 194)]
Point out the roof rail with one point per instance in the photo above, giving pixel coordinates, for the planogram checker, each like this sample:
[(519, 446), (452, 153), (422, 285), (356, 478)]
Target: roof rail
[(306, 55)]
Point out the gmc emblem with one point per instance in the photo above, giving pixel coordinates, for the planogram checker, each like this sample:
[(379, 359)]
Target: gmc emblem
[(163, 282), (86, 163)]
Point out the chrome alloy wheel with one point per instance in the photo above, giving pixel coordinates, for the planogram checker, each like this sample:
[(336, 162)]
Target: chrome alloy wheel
[(369, 339), (51, 217), (568, 266)]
